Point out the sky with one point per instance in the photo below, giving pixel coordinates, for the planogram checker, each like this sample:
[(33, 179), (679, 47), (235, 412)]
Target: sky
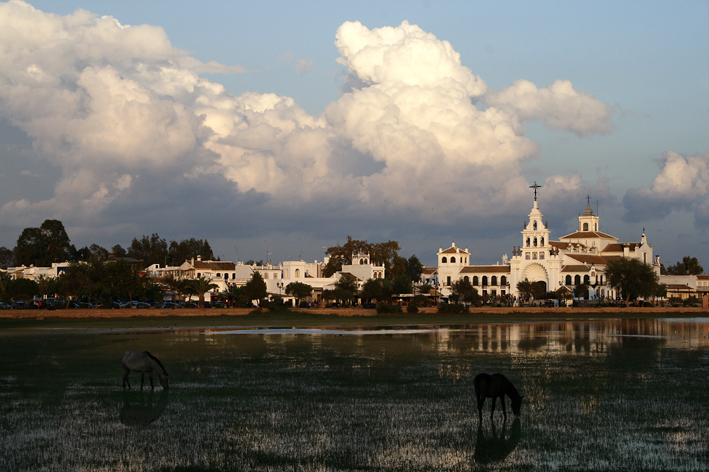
[(276, 129)]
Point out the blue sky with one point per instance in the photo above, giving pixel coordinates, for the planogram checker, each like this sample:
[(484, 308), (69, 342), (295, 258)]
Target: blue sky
[(312, 161)]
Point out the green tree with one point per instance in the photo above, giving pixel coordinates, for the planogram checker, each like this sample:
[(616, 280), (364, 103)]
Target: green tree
[(581, 291), (20, 290), (379, 253), (177, 286), (345, 289), (401, 284), (414, 268), (688, 266), (189, 248), (463, 291), (299, 290), (535, 290), (425, 288), (150, 250), (201, 286), (632, 278), (44, 245), (255, 289), (6, 258), (74, 281)]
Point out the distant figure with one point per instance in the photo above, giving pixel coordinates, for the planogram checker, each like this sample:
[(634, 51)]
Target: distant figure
[(143, 362), (493, 386)]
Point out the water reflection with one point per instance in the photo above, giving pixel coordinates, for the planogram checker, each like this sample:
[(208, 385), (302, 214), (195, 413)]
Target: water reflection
[(493, 445), (142, 408)]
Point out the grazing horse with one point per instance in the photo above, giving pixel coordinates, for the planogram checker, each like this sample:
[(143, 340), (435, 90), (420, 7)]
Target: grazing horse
[(493, 386), (143, 362)]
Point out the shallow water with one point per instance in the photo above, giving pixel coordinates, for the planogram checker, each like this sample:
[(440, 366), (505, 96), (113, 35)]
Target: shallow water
[(599, 395)]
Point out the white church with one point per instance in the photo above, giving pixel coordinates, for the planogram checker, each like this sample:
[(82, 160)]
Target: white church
[(577, 258)]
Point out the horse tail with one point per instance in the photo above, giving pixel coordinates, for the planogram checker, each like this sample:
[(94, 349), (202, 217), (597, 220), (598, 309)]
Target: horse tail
[(157, 361)]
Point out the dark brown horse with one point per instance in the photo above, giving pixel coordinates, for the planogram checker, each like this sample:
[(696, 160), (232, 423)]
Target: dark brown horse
[(494, 386)]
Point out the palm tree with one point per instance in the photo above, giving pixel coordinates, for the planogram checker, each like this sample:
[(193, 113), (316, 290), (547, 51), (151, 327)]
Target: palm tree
[(201, 286)]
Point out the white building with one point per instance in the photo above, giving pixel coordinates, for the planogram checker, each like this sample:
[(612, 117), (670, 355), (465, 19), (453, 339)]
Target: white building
[(574, 259)]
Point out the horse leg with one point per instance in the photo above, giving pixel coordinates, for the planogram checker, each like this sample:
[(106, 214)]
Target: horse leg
[(150, 374), (492, 410), (125, 378), (481, 402), (142, 380), (504, 410)]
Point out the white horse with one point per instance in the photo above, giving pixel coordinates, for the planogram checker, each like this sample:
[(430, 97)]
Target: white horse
[(143, 362)]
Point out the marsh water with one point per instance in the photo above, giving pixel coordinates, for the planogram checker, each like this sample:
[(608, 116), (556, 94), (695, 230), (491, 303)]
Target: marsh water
[(625, 394)]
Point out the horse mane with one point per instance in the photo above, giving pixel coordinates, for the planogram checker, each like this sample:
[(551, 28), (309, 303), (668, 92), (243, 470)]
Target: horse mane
[(157, 361)]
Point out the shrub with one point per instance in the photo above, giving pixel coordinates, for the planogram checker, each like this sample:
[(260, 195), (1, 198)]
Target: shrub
[(412, 308), (303, 305), (452, 308), (384, 308)]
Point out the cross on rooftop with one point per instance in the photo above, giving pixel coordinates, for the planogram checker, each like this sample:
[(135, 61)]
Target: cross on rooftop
[(535, 187)]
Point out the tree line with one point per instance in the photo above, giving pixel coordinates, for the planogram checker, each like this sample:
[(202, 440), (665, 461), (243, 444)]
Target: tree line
[(50, 243)]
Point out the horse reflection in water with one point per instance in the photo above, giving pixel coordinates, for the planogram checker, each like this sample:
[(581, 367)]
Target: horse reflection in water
[(498, 445), (143, 362), (140, 409), (494, 386)]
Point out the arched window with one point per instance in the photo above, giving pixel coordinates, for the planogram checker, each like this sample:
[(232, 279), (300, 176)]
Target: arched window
[(535, 242), (452, 259), (585, 226), (535, 226), (484, 280), (199, 275), (528, 242), (503, 280), (233, 276), (265, 275), (577, 280), (586, 279), (542, 241), (444, 259), (219, 275), (297, 273), (493, 280), (568, 280), (466, 278), (475, 280)]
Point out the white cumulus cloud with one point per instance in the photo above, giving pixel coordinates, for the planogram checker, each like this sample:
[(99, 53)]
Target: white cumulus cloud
[(127, 121), (682, 184)]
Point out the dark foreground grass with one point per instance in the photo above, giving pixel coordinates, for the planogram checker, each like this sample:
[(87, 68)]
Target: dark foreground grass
[(607, 395)]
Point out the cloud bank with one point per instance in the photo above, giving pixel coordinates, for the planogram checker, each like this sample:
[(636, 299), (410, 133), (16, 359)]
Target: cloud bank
[(139, 139), (681, 185)]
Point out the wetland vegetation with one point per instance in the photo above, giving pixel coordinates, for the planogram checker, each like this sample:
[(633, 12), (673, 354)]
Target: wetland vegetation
[(606, 394)]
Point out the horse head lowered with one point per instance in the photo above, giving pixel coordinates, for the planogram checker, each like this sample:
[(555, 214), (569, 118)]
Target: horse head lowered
[(494, 386), (143, 362)]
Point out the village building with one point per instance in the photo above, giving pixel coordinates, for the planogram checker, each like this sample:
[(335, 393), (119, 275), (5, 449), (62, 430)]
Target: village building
[(574, 259)]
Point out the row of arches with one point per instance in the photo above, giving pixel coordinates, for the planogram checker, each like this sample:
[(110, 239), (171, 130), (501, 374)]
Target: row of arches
[(444, 260), (493, 280), (535, 242), (576, 280)]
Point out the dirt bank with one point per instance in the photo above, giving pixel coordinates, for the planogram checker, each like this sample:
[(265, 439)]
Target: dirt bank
[(345, 312)]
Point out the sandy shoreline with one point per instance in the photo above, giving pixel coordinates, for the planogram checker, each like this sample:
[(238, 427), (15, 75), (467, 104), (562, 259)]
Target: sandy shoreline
[(214, 312)]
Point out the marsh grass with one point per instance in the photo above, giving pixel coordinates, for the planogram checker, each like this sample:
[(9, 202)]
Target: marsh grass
[(379, 402)]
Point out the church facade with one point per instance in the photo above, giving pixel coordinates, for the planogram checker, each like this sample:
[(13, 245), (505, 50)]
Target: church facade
[(574, 259)]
